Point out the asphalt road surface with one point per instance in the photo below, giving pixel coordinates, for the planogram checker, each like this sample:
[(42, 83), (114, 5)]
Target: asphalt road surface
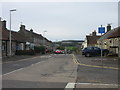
[(94, 72), (62, 71), (50, 71)]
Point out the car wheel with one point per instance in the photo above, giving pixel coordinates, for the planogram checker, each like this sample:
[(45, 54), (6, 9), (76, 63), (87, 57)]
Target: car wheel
[(87, 54)]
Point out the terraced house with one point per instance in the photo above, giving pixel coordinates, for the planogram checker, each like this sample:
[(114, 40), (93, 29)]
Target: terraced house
[(17, 40), (22, 40), (91, 40), (111, 40)]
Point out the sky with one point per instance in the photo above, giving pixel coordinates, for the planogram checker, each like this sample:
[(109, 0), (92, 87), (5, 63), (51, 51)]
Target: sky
[(61, 20)]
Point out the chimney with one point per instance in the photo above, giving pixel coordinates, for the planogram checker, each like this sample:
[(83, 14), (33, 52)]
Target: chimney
[(94, 33), (31, 30), (4, 24), (22, 27), (108, 27)]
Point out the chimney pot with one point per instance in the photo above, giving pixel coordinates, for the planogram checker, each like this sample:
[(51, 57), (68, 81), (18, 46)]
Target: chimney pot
[(108, 27), (4, 24), (94, 33), (31, 30), (22, 27)]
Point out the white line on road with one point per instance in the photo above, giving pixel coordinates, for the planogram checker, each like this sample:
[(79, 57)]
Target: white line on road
[(13, 71), (70, 86), (97, 84), (22, 68)]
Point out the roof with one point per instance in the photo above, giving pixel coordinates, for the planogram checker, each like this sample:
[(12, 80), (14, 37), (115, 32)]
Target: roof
[(114, 33), (92, 39), (27, 35), (15, 36), (18, 37), (73, 41)]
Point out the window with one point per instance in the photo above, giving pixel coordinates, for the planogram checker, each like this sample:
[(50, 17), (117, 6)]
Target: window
[(89, 48), (110, 41), (3, 45), (95, 48)]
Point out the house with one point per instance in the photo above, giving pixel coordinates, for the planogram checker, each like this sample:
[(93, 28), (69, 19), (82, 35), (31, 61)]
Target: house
[(17, 40), (111, 40), (33, 39), (22, 40), (91, 40)]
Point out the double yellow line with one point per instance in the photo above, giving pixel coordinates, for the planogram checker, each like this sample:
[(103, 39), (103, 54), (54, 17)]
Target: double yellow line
[(76, 62)]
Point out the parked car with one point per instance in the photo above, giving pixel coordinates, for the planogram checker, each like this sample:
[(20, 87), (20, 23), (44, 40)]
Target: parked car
[(59, 51), (94, 51)]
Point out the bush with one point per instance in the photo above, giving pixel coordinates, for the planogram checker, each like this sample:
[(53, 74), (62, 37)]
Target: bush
[(40, 49), (25, 52)]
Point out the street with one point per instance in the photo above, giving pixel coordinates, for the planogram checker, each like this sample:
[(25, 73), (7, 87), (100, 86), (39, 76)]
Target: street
[(61, 71), (97, 73), (52, 71)]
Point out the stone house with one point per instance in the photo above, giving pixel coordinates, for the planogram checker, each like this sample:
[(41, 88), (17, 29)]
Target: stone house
[(17, 41), (91, 40), (33, 39), (21, 40), (111, 41)]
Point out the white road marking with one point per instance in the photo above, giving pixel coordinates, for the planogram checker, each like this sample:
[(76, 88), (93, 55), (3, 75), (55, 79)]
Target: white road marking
[(70, 85), (97, 84), (13, 71), (22, 68)]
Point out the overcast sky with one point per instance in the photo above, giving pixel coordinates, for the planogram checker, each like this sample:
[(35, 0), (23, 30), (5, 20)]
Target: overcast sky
[(61, 20)]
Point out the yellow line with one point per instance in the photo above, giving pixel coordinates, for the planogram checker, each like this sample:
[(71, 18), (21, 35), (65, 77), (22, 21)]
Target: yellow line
[(76, 62), (74, 59)]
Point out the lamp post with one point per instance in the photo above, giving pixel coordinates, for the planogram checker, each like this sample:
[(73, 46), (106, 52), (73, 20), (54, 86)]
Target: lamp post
[(44, 37), (10, 29)]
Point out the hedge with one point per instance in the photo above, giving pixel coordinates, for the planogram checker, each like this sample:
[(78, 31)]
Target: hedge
[(25, 52), (39, 49)]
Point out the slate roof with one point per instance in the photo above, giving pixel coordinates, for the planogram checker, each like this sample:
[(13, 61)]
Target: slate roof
[(15, 36), (92, 40), (114, 33)]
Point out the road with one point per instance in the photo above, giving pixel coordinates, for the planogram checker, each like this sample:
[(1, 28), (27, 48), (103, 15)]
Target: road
[(96, 73), (51, 71), (61, 71)]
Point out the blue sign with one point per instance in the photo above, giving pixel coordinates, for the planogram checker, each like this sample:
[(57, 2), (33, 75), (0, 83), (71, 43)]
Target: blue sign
[(101, 30)]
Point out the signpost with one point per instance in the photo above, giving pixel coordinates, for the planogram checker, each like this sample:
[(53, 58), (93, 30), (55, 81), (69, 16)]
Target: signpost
[(101, 30)]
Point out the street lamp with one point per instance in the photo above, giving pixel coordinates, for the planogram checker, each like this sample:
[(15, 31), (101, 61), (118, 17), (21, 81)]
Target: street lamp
[(10, 28), (44, 37)]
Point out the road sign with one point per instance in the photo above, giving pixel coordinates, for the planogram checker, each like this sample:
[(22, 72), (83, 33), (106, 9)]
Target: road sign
[(101, 30)]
